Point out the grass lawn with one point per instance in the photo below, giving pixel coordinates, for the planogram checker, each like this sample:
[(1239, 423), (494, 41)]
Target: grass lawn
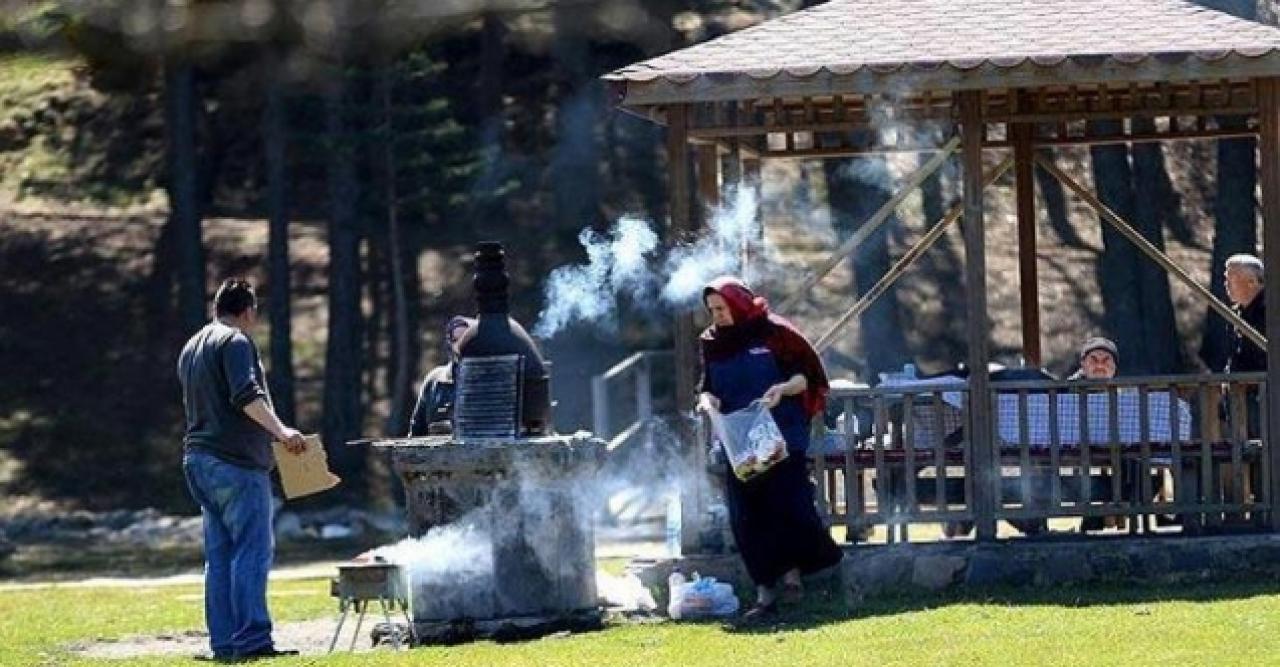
[(1234, 623)]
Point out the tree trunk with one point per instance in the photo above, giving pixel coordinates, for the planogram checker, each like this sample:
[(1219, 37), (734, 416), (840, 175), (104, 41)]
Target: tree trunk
[(275, 141), (944, 264), (853, 199), (1055, 204), (184, 210), (575, 158), (343, 352), (1117, 268), (489, 211), (397, 419), (1157, 205), (375, 272)]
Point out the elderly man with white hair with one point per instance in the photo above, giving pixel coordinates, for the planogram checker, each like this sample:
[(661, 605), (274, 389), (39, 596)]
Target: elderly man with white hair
[(1244, 288)]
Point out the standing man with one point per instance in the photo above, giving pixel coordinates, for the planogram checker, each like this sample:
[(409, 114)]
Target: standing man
[(229, 428), (1244, 288), (1243, 276)]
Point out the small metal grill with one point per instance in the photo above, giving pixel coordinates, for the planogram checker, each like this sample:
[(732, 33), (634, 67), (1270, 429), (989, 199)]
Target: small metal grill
[(357, 585), (487, 405)]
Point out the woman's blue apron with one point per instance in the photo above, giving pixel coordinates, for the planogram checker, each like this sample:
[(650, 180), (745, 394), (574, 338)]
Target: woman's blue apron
[(743, 378)]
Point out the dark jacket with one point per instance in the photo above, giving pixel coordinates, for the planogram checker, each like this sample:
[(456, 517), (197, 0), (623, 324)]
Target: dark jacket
[(435, 402), (1245, 356), (221, 372)]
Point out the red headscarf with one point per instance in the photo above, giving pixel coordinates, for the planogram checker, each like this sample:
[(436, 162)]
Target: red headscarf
[(754, 324)]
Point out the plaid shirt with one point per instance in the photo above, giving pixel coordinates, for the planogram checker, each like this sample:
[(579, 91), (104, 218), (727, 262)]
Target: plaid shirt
[(929, 425)]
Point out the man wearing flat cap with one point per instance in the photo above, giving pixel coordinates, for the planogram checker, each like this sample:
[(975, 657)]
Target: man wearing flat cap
[(1099, 358)]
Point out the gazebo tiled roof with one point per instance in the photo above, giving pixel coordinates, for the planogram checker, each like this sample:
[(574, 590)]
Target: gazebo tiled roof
[(865, 46)]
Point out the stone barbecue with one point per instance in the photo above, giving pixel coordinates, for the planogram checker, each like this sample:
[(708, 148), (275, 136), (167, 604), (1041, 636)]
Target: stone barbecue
[(510, 490)]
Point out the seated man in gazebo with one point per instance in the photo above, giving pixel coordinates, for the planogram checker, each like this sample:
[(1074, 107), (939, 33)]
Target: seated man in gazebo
[(1099, 359)]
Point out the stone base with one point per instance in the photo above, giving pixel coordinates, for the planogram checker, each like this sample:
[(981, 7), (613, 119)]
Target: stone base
[(431, 633), (888, 570), (870, 571)]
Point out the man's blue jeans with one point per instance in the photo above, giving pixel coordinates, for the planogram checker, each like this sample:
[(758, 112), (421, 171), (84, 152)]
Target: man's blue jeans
[(238, 543)]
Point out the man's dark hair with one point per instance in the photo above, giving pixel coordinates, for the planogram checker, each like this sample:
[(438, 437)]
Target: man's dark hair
[(234, 297)]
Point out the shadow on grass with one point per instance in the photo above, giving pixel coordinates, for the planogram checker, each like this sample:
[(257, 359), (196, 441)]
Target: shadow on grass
[(827, 606), (71, 561)]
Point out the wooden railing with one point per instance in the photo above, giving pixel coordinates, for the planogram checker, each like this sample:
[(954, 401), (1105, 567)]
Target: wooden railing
[(1189, 447)]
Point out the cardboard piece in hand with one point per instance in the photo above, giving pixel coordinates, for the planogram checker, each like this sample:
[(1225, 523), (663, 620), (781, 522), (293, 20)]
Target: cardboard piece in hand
[(306, 473)]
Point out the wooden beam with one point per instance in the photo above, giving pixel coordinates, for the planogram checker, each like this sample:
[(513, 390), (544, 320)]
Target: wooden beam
[(873, 223), (1152, 252), (985, 471), (908, 258), (1028, 281), (1269, 180), (1142, 138)]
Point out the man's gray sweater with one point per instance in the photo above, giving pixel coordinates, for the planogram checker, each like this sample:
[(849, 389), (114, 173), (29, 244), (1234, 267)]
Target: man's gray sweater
[(221, 373)]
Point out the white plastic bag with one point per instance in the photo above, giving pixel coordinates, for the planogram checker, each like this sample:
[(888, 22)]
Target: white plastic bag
[(701, 598), (751, 440)]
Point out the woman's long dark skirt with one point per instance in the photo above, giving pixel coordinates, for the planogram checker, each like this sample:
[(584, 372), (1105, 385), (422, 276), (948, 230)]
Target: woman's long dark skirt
[(776, 525)]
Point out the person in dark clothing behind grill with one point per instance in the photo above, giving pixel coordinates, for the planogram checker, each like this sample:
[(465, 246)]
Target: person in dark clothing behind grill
[(227, 459), (749, 354), (434, 409)]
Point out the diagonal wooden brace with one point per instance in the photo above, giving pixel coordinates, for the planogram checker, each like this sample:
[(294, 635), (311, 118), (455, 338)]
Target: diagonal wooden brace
[(873, 223), (1153, 252), (905, 262)]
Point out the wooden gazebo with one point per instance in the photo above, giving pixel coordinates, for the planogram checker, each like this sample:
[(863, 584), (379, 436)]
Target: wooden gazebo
[(1008, 75)]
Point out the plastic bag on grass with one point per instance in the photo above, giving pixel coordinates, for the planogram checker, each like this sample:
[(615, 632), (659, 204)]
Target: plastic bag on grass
[(750, 439), (701, 598)]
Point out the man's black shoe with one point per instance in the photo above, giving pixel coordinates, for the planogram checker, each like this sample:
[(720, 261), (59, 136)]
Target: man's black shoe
[(267, 652)]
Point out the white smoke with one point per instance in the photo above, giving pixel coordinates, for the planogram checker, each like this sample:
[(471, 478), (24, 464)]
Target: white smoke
[(617, 263), (459, 552), (689, 268), (627, 262)]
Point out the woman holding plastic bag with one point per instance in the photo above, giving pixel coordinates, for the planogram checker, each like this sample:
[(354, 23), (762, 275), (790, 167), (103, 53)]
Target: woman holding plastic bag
[(750, 356)]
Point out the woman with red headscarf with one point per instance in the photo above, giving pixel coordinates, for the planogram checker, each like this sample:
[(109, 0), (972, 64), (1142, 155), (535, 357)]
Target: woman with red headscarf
[(749, 354)]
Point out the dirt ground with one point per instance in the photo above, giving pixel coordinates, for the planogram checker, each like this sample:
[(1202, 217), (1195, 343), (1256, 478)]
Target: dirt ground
[(308, 637)]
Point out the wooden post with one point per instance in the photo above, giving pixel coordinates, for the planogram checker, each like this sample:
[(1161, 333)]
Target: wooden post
[(751, 178), (984, 472), (1028, 281), (1269, 180), (687, 364), (682, 230), (733, 165), (708, 175)]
